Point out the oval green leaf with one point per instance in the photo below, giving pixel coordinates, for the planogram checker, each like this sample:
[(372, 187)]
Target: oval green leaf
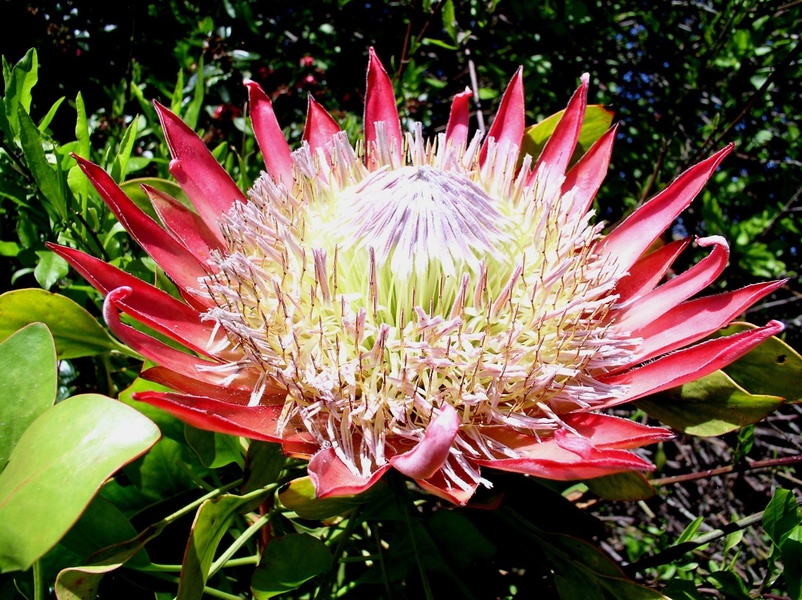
[(710, 406), (288, 562), (28, 383), (58, 466), (74, 330)]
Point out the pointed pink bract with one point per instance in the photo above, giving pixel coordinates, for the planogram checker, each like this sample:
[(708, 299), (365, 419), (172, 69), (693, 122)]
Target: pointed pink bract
[(209, 187), (560, 146), (459, 119), (380, 107), (631, 239), (275, 149), (320, 126), (508, 126)]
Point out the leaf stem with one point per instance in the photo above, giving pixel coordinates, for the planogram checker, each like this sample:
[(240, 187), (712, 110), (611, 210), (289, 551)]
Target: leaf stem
[(38, 581)]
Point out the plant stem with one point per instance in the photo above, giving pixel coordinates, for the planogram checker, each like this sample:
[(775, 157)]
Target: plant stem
[(238, 543), (214, 593), (758, 464), (38, 581)]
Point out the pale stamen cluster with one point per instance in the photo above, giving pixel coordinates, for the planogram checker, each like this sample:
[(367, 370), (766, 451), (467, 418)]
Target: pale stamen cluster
[(375, 297)]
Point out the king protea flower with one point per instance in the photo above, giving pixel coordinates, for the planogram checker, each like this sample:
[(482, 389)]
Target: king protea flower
[(435, 306)]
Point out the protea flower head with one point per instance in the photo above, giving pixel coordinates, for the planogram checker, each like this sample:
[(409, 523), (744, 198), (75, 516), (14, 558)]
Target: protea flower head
[(435, 306)]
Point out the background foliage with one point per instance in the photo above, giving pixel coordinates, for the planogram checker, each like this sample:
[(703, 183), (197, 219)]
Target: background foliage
[(684, 78)]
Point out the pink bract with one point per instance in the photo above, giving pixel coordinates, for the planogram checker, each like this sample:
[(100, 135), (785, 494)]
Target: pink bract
[(431, 306)]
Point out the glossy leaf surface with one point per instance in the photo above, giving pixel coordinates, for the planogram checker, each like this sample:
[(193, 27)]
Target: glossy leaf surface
[(709, 406), (75, 331), (57, 467), (27, 383)]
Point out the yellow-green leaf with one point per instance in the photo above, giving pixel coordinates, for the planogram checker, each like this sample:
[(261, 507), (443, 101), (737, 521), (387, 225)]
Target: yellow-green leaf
[(712, 405)]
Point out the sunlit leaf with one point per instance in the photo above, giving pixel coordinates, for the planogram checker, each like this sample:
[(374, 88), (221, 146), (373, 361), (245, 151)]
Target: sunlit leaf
[(50, 268), (773, 368), (74, 330), (288, 562), (781, 516), (45, 174), (19, 83), (28, 383), (710, 406), (597, 121), (57, 467)]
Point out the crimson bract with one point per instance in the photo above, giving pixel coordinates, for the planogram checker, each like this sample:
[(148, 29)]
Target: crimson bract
[(434, 306)]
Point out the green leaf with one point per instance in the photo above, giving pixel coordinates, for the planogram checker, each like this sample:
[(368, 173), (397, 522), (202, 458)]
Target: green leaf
[(299, 496), (82, 583), (781, 516), (58, 466), (288, 562), (212, 521), (81, 128), (45, 174), (19, 83), (773, 368), (792, 563), (50, 268), (120, 165), (597, 121), (621, 486), (712, 405), (263, 465), (582, 570), (102, 525), (214, 450), (28, 383), (195, 105), (459, 538), (450, 20), (690, 531), (74, 330), (45, 122), (730, 585), (171, 467)]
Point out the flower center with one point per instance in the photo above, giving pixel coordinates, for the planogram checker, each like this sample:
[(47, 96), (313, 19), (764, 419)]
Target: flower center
[(412, 217)]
